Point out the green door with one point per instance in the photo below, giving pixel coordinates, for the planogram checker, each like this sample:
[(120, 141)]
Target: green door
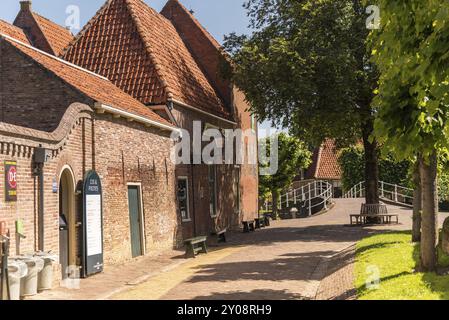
[(135, 220)]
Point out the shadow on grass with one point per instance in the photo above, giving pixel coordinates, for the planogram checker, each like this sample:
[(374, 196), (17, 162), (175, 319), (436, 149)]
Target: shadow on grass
[(437, 283)]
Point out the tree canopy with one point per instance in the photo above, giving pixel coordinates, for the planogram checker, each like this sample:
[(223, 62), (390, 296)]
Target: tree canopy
[(411, 51), (292, 155), (412, 54), (305, 66)]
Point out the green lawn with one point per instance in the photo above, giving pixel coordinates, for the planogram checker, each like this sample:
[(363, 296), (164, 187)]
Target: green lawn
[(394, 257)]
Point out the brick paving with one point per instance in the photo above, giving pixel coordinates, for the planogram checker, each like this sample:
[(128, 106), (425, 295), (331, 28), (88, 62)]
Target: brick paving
[(289, 260), (308, 258)]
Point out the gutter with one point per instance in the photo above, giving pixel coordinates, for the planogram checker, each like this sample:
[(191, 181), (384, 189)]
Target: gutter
[(101, 108), (182, 104)]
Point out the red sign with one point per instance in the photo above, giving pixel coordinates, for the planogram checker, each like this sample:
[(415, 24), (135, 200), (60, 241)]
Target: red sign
[(10, 181), (12, 177)]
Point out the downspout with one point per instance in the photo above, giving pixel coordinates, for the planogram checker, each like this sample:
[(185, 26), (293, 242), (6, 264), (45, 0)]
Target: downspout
[(41, 206), (39, 158), (193, 199)]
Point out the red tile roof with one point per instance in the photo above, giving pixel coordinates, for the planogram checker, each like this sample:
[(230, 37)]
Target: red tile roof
[(325, 162), (94, 86), (203, 46), (143, 54), (57, 36), (176, 3), (13, 31)]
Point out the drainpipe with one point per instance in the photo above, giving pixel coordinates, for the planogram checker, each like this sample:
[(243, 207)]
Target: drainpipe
[(193, 199), (39, 158)]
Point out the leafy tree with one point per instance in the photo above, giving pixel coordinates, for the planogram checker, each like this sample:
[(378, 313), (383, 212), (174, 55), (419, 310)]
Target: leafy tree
[(293, 155), (411, 52), (351, 161), (306, 67)]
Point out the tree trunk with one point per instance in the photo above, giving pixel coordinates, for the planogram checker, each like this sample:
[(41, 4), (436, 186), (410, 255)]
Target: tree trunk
[(417, 204), (371, 165), (429, 218), (274, 204)]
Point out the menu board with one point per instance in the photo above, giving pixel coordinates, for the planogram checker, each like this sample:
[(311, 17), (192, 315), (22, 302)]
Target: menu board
[(93, 225)]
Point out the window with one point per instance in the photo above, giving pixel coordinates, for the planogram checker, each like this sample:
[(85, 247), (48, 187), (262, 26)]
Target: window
[(213, 190), (183, 198)]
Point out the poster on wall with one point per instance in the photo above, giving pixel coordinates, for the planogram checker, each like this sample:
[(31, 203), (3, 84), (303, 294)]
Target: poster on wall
[(93, 224), (10, 181)]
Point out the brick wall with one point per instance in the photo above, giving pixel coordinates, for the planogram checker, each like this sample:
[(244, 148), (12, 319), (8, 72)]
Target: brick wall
[(31, 96), (121, 151), (228, 216), (127, 152), (249, 180)]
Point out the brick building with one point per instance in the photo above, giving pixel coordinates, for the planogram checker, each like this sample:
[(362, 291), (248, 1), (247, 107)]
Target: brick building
[(169, 62), (325, 166), (84, 122), (41, 32), (111, 103)]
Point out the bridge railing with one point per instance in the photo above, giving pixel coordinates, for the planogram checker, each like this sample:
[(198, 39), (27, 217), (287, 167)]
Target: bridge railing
[(305, 196), (389, 191)]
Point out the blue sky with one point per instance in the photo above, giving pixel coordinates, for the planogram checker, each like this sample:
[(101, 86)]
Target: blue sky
[(220, 17)]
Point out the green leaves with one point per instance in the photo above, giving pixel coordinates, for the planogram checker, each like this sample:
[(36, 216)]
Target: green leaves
[(305, 67), (293, 155), (411, 52)]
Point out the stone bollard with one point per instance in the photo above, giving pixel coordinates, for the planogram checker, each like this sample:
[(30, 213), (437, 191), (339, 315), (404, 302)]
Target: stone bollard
[(445, 236), (293, 212)]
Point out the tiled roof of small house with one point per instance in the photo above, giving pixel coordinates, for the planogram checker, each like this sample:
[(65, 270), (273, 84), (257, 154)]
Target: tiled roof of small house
[(57, 36), (13, 31), (325, 162), (142, 53), (93, 86)]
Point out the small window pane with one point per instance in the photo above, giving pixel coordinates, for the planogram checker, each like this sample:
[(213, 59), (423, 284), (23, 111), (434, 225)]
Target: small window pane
[(183, 198)]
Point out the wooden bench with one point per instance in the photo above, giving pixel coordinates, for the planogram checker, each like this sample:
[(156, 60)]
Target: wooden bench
[(370, 213), (359, 219), (195, 246), (260, 223), (249, 226), (267, 218), (221, 235)]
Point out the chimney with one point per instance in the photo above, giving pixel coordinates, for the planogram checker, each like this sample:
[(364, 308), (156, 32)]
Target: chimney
[(25, 5)]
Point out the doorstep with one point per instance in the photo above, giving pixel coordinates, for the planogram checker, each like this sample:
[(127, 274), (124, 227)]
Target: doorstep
[(117, 278)]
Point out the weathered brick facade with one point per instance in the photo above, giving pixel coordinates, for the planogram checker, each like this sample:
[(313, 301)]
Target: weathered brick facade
[(121, 151), (187, 67), (47, 102)]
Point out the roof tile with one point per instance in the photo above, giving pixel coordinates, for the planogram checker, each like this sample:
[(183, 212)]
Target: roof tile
[(96, 87), (13, 32), (57, 36), (143, 54), (325, 162)]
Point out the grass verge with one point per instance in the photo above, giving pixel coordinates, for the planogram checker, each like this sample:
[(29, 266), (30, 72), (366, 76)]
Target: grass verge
[(392, 258)]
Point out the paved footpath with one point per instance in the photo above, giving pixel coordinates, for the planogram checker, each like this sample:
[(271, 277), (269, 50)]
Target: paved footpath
[(293, 259), (286, 261)]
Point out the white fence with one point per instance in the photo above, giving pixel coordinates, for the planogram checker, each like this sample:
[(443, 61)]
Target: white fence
[(388, 191), (304, 197)]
